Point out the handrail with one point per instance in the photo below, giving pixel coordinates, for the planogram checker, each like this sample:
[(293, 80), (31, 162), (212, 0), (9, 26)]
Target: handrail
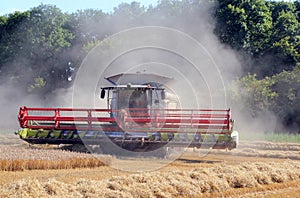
[(129, 120)]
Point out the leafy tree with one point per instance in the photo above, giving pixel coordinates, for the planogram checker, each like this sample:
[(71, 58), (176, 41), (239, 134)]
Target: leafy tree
[(279, 94), (127, 16), (256, 95), (244, 25), (88, 25), (283, 53), (33, 43), (39, 83), (277, 7), (3, 20), (297, 6), (287, 108), (287, 36), (265, 31), (9, 39), (130, 11)]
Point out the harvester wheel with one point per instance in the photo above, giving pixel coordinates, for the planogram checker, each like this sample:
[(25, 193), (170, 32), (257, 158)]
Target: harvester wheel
[(161, 153)]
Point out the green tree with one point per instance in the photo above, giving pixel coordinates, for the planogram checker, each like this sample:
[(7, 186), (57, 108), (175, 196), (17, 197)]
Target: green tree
[(39, 83), (287, 108), (256, 95), (297, 7), (283, 53), (34, 42), (88, 26), (245, 24), (127, 15), (266, 32), (286, 37), (279, 94), (10, 40)]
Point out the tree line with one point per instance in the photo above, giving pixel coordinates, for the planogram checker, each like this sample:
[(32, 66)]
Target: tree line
[(41, 49), (267, 34)]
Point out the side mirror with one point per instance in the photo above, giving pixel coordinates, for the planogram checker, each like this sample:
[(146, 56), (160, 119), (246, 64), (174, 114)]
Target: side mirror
[(163, 95), (102, 95)]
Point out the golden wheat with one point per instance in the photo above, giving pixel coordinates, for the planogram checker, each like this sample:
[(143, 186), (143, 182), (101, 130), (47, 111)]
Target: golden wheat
[(20, 165), (22, 158), (218, 178), (176, 183), (265, 150), (265, 145)]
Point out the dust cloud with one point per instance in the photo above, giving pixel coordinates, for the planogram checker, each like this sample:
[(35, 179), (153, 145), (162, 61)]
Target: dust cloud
[(12, 98), (201, 66), (183, 48)]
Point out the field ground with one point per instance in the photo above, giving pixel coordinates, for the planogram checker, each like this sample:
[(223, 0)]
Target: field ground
[(255, 169)]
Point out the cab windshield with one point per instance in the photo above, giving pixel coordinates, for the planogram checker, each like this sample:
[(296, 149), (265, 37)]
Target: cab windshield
[(136, 98)]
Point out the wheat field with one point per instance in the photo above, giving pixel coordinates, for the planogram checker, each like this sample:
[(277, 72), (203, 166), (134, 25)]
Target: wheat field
[(192, 183), (265, 149), (20, 158), (255, 169)]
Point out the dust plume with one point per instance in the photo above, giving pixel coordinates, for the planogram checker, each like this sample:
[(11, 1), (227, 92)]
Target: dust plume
[(181, 44), (12, 98), (203, 83)]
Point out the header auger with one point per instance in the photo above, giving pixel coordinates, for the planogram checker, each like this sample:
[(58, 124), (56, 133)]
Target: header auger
[(139, 117)]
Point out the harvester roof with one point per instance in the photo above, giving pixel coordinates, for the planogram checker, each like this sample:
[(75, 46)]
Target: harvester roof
[(134, 87), (138, 79)]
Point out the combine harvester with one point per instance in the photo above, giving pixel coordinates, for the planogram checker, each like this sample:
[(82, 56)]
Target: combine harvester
[(139, 118)]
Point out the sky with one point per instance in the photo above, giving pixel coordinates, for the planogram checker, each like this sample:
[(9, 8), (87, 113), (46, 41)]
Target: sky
[(10, 6)]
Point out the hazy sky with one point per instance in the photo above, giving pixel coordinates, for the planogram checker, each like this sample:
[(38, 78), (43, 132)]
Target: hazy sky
[(9, 6)]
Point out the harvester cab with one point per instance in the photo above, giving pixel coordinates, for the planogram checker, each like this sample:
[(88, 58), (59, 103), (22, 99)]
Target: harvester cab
[(140, 116), (133, 97), (135, 91)]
